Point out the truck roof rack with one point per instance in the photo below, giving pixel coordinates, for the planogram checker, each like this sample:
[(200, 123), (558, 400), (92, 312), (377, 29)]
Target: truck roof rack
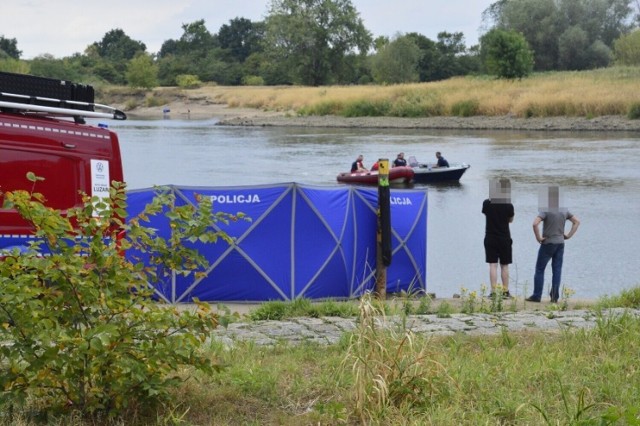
[(27, 93)]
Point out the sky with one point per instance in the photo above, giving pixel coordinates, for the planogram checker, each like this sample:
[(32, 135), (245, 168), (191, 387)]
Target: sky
[(64, 27)]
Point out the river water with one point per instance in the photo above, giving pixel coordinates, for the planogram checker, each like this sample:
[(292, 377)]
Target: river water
[(599, 173)]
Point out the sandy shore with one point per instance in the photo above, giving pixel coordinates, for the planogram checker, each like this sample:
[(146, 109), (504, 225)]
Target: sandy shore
[(255, 117)]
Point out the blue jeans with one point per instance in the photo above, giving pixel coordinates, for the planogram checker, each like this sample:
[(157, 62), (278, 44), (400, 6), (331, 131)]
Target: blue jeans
[(555, 253)]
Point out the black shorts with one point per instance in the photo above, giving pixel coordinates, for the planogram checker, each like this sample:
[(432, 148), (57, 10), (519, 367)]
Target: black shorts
[(498, 249)]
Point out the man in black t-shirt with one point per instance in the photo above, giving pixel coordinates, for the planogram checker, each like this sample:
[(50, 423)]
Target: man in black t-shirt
[(499, 213), (400, 161)]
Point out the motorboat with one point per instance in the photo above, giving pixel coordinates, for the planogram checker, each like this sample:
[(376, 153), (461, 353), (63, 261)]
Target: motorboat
[(403, 174), (428, 173)]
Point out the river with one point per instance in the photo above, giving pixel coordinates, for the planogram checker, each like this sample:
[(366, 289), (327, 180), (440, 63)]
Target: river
[(599, 173)]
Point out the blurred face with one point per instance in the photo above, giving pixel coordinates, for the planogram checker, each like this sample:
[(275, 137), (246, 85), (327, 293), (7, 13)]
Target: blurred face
[(500, 191), (360, 158)]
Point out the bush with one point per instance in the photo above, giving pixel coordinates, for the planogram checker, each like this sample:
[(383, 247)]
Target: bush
[(79, 328), (466, 108), (252, 80), (323, 108), (366, 108), (155, 101), (634, 111), (188, 81)]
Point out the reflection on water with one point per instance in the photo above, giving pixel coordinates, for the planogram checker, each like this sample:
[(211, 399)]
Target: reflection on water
[(598, 172)]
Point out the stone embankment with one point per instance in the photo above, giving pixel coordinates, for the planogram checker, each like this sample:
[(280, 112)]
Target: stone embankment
[(329, 330)]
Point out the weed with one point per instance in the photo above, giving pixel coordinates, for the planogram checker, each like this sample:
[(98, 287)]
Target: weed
[(573, 415), (424, 305), (469, 301), (508, 341), (225, 316), (496, 300), (628, 298), (444, 310), (279, 310), (564, 298)]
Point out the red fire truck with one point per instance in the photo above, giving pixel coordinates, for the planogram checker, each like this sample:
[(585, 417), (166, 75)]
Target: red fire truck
[(43, 131)]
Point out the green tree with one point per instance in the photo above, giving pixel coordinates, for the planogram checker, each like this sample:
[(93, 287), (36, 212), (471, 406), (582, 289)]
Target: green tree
[(380, 42), (445, 58), (451, 51), (118, 46), (536, 20), (115, 50), (552, 26), (14, 65), (172, 66), (240, 38), (313, 38), (396, 62), (627, 49), (193, 53), (84, 332), (572, 49), (506, 54), (429, 57), (10, 47), (48, 66), (196, 40), (142, 72)]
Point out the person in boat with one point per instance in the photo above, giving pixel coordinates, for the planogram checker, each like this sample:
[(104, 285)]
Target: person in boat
[(442, 162), (374, 166), (400, 161), (358, 165)]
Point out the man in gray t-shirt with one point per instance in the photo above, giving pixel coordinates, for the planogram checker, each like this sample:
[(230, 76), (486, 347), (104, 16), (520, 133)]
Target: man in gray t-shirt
[(551, 242)]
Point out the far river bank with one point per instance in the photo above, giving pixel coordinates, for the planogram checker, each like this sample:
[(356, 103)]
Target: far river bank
[(256, 117)]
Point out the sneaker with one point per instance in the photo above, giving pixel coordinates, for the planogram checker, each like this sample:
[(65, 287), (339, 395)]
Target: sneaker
[(491, 295), (554, 300), (506, 295), (532, 299)]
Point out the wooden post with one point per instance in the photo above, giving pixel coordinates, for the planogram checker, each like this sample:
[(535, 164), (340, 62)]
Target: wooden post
[(383, 246)]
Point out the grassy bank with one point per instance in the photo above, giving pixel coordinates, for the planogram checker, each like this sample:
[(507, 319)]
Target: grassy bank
[(398, 378), (395, 377), (611, 91)]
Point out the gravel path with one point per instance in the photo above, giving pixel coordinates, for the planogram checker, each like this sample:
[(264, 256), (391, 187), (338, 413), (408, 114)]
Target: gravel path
[(329, 330)]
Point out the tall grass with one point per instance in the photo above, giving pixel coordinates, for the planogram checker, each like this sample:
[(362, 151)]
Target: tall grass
[(392, 370), (610, 91)]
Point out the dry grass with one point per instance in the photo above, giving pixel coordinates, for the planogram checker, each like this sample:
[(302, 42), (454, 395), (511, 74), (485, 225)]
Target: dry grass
[(611, 91)]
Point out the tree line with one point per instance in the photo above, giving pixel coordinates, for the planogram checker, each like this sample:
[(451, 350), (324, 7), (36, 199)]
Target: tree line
[(325, 42)]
